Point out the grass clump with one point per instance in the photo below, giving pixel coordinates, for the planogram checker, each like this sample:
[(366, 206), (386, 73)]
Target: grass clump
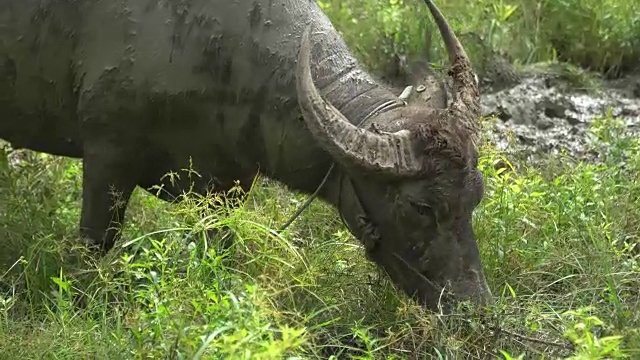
[(559, 244), (601, 36)]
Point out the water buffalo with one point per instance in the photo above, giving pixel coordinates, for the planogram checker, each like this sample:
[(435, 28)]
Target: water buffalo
[(140, 88)]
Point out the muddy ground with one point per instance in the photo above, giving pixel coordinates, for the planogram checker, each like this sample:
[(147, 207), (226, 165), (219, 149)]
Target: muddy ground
[(535, 111), (548, 112)]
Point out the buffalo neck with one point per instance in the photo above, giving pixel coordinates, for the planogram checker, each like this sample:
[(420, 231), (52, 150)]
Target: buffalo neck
[(253, 81), (358, 98)]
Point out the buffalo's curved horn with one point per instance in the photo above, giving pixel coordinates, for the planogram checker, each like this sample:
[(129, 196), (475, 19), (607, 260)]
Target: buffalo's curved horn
[(466, 89), (389, 153)]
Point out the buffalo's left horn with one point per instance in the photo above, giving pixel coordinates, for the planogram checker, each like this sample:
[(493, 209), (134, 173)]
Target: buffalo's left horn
[(389, 153)]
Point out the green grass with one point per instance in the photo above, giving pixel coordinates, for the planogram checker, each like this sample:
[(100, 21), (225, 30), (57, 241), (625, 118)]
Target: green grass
[(599, 35), (559, 244)]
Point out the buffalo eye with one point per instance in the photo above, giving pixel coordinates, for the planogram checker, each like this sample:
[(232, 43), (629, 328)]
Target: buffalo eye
[(422, 208)]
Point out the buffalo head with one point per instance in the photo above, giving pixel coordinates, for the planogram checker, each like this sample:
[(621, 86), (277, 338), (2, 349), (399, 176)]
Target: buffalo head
[(410, 183)]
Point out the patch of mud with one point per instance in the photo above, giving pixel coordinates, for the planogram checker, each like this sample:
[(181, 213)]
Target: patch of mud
[(543, 115), (541, 110)]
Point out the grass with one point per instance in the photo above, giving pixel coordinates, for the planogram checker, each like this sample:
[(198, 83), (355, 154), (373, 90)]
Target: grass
[(559, 241), (559, 246), (598, 35)]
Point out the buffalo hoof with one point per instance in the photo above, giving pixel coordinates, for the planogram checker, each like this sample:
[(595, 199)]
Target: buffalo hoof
[(94, 248)]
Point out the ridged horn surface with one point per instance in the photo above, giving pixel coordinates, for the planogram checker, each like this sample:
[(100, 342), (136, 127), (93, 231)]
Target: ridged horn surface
[(389, 153)]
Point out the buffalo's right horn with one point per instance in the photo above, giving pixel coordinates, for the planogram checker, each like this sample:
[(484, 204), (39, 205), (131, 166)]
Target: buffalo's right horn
[(467, 97)]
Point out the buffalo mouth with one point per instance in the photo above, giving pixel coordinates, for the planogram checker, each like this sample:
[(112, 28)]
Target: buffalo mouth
[(442, 294), (402, 266)]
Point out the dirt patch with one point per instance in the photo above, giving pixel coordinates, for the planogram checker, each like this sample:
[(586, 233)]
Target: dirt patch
[(545, 114)]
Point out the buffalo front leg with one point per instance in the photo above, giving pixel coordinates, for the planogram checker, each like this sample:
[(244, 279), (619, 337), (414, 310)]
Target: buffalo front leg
[(108, 181)]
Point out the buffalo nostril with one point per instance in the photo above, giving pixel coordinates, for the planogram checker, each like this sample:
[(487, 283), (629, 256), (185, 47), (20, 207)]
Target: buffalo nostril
[(480, 288)]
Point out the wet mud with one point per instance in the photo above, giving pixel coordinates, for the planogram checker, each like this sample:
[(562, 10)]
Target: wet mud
[(545, 114)]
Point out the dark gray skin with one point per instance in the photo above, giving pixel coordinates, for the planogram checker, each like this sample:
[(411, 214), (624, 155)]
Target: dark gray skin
[(138, 88)]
